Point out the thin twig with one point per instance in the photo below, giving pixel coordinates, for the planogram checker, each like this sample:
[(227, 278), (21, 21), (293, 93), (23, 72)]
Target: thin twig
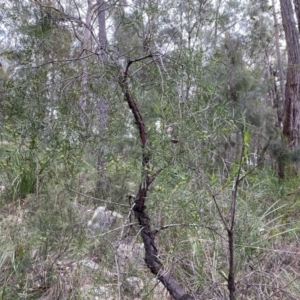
[(272, 295), (93, 198), (118, 275), (116, 229), (156, 231), (251, 170), (218, 209), (61, 60), (235, 189)]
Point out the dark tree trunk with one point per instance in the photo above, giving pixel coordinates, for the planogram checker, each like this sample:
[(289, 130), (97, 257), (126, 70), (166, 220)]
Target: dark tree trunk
[(297, 10), (291, 123)]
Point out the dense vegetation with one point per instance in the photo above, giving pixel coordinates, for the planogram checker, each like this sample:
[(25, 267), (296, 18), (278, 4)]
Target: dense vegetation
[(180, 115)]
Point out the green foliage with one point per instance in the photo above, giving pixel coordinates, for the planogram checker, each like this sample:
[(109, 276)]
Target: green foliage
[(204, 98)]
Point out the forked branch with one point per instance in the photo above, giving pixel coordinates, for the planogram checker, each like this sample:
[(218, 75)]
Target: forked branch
[(148, 235)]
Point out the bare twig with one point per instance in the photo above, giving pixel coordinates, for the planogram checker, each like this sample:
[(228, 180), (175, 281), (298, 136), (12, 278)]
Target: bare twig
[(218, 209), (93, 198), (284, 287), (250, 171), (118, 228), (156, 231), (118, 275)]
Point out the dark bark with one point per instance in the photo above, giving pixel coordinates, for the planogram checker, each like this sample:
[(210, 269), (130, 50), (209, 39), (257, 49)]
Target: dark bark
[(297, 11), (231, 275), (291, 123), (186, 297), (147, 234)]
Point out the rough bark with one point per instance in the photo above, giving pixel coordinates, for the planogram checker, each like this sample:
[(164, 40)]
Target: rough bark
[(297, 10), (147, 234), (291, 123)]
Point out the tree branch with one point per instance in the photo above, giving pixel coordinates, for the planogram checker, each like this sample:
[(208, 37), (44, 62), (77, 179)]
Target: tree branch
[(148, 236)]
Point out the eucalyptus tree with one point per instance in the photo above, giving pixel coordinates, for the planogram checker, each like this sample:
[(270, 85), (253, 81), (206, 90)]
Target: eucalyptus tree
[(291, 120), (291, 117)]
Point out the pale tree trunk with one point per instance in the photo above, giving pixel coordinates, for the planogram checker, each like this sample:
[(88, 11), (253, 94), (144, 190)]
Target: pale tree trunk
[(102, 103), (216, 26), (102, 44), (102, 37), (84, 75), (279, 102), (279, 98), (291, 123)]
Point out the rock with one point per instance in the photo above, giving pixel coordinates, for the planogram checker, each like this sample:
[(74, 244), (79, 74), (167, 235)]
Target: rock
[(92, 266), (104, 220), (159, 290), (133, 285), (107, 292), (130, 255)]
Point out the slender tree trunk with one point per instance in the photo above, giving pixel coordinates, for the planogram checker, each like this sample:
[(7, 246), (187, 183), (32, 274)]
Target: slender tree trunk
[(85, 40), (279, 98), (102, 37), (102, 44), (279, 106), (216, 26), (102, 103)]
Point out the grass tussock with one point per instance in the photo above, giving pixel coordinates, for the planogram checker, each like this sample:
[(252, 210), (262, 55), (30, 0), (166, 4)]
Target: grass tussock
[(46, 251)]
